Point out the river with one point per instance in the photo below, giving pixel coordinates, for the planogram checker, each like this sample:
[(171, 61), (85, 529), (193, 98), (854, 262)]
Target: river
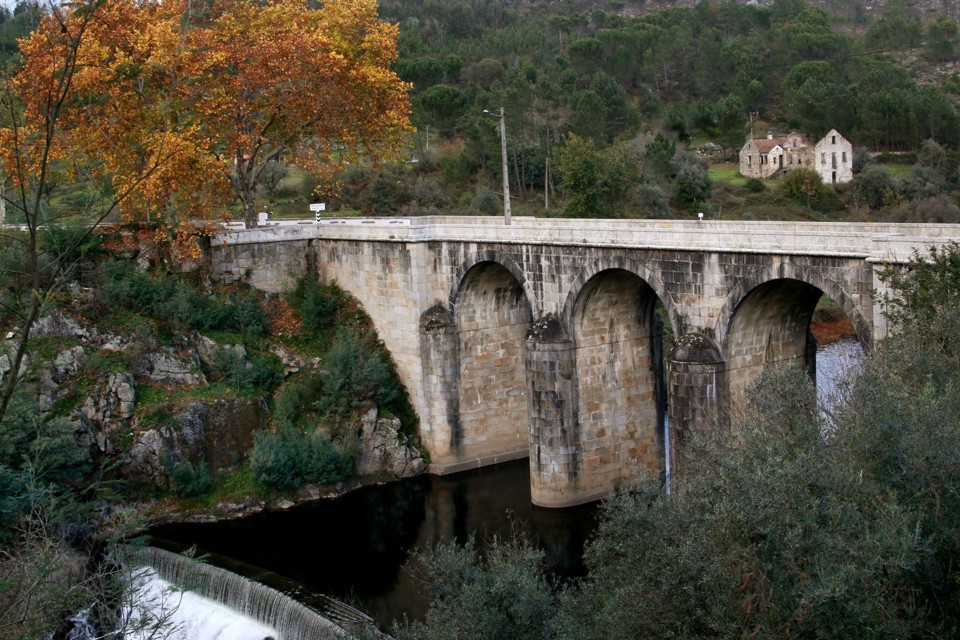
[(358, 547)]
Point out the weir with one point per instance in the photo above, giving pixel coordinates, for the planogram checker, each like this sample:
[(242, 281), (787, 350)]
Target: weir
[(290, 619)]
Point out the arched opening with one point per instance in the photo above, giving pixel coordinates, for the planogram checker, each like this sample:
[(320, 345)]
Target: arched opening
[(618, 338), (770, 326), (492, 317)]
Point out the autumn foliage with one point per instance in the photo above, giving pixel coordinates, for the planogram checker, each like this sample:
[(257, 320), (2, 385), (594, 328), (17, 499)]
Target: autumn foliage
[(180, 105)]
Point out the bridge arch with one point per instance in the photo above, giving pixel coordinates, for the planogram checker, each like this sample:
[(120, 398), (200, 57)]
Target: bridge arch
[(624, 263), (502, 260), (619, 370), (766, 320), (786, 271), (492, 313)]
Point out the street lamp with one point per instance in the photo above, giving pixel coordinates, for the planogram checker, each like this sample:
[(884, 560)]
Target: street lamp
[(503, 157)]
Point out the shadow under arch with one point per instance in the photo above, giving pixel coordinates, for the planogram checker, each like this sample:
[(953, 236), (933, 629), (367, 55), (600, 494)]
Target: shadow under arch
[(623, 263), (500, 259), (492, 313), (811, 277), (766, 321)]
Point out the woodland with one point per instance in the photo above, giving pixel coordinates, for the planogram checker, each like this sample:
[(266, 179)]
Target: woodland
[(616, 110)]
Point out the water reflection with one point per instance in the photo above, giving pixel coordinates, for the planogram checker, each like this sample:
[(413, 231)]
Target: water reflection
[(836, 361), (357, 548)]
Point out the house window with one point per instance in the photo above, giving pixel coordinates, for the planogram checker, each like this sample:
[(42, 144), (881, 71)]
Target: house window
[(833, 139), (749, 161), (823, 158), (844, 156)]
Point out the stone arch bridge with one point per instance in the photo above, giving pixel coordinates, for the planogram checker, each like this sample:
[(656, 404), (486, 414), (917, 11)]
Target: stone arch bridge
[(544, 338)]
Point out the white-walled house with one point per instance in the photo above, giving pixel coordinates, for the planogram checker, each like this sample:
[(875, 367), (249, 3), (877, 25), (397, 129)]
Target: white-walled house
[(831, 157)]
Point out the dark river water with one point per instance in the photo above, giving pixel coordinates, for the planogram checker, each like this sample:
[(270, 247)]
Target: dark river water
[(358, 548)]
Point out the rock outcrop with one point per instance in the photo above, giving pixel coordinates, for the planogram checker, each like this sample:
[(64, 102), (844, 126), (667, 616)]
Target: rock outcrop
[(384, 450), (149, 441)]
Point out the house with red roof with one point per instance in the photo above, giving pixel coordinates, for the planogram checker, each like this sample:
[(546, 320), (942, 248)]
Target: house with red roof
[(831, 157)]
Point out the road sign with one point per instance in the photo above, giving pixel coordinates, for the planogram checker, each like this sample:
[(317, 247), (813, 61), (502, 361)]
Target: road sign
[(318, 207)]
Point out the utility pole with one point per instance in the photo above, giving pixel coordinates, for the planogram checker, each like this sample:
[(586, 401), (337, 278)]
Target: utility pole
[(503, 158)]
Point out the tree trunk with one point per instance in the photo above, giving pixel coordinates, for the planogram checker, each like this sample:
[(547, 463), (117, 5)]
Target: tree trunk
[(247, 191)]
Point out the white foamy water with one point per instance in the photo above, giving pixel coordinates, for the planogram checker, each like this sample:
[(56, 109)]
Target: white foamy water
[(183, 615)]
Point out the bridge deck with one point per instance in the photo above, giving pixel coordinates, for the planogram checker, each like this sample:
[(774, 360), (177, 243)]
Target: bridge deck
[(876, 242)]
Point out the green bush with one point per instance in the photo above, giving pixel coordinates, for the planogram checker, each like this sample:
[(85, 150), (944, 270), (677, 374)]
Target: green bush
[(246, 375), (487, 202), (502, 593), (290, 458), (357, 373), (385, 194), (297, 399), (180, 304), (318, 306), (190, 481)]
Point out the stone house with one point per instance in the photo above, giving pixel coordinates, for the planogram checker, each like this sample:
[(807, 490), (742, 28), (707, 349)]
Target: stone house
[(831, 157)]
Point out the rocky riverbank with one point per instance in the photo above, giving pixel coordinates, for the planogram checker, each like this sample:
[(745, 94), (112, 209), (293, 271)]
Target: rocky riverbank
[(159, 414)]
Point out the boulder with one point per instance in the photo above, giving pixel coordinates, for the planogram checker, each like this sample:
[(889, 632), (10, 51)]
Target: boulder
[(108, 409), (166, 368), (384, 450), (217, 432)]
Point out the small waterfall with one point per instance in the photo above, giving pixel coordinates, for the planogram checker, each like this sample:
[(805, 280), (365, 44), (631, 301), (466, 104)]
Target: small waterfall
[(293, 621)]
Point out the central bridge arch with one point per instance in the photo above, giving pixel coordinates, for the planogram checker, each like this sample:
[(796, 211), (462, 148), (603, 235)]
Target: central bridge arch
[(492, 315), (618, 347)]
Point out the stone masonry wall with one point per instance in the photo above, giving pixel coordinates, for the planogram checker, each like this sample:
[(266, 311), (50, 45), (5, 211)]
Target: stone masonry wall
[(411, 274)]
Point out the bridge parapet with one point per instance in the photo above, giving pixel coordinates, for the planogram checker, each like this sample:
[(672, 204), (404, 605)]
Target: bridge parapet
[(877, 242)]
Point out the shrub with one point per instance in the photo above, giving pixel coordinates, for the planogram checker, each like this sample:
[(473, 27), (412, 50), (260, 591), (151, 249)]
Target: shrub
[(297, 398), (178, 303), (650, 201), (384, 195), (502, 593), (693, 183), (486, 202), (289, 458), (247, 375), (317, 304), (357, 373), (872, 187), (189, 481)]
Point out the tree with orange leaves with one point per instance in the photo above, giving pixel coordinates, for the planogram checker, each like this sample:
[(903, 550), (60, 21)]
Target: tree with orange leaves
[(75, 103), (163, 107), (278, 78)]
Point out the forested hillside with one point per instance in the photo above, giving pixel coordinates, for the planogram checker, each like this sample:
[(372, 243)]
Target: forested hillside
[(703, 77)]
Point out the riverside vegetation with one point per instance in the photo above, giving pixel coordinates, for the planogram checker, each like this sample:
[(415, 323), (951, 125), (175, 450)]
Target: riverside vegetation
[(793, 524), (142, 387)]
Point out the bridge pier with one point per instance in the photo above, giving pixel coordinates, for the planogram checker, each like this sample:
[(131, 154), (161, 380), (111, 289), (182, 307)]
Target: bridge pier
[(698, 390), (441, 371), (551, 390)]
